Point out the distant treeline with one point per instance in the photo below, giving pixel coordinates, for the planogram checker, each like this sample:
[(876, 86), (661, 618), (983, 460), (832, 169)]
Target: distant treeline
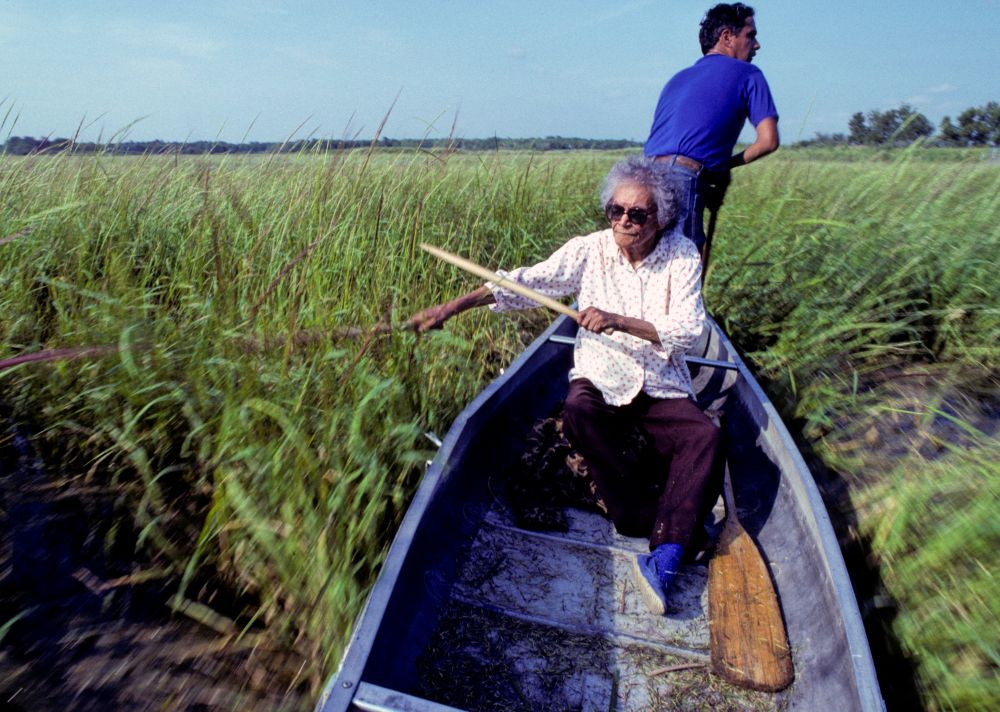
[(976, 126), (25, 145)]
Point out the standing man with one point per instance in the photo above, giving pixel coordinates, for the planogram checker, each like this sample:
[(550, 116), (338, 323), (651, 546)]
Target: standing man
[(702, 110)]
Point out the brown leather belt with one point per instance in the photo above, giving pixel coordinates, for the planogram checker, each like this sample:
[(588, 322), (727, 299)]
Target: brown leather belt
[(681, 161)]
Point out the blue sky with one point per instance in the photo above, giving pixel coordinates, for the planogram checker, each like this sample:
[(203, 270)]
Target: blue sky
[(259, 70)]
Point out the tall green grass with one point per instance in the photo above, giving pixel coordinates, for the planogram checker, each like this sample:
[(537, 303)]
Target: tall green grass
[(276, 467), (279, 470), (933, 523), (829, 272)]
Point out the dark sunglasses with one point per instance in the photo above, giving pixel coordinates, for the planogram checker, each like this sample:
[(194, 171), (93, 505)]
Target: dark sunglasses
[(614, 211)]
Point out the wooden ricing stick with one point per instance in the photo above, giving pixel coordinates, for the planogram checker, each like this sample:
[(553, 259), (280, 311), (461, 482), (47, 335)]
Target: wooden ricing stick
[(475, 269)]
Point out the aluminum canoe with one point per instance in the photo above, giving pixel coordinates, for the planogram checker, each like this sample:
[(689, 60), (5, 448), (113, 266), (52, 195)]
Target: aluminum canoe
[(472, 612)]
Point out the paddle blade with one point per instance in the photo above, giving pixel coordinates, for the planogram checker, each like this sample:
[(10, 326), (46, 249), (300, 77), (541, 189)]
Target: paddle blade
[(749, 647)]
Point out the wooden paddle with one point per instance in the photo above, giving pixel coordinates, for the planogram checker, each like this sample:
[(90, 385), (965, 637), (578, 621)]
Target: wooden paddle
[(749, 646)]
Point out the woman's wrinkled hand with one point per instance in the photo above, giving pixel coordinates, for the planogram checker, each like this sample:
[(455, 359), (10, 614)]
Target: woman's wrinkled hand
[(598, 320), (429, 318)]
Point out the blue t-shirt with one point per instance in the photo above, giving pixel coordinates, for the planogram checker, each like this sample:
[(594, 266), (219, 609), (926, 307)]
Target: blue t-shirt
[(702, 109)]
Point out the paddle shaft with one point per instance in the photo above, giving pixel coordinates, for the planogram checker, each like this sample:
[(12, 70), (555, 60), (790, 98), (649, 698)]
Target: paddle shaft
[(713, 187), (706, 249)]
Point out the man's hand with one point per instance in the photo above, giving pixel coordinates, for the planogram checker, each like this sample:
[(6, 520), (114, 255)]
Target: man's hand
[(598, 320), (430, 318)]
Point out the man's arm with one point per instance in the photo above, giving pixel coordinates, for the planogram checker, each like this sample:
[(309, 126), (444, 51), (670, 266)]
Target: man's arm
[(766, 142)]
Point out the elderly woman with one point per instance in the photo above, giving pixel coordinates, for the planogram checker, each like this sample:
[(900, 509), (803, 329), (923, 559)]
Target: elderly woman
[(638, 285)]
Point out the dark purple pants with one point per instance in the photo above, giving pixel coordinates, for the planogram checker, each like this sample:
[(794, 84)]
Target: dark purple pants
[(666, 499)]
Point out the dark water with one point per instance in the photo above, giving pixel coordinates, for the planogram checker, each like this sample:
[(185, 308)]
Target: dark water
[(77, 638)]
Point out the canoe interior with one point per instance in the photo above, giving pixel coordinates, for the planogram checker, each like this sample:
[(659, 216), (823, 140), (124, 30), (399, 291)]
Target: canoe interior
[(473, 612)]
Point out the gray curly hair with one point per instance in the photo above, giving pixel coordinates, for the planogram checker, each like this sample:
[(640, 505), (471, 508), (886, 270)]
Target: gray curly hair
[(654, 177)]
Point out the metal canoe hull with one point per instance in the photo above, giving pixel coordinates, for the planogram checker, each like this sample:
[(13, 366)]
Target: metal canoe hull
[(462, 584)]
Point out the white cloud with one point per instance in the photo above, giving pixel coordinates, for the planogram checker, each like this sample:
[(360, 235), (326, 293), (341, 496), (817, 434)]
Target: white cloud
[(168, 37), (259, 8), (622, 10), (931, 97), (307, 56), (162, 70)]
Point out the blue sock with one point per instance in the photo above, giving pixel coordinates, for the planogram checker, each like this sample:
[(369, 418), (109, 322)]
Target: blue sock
[(667, 558)]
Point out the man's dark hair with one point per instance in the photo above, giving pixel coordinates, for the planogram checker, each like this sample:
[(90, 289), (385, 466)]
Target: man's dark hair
[(722, 17)]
